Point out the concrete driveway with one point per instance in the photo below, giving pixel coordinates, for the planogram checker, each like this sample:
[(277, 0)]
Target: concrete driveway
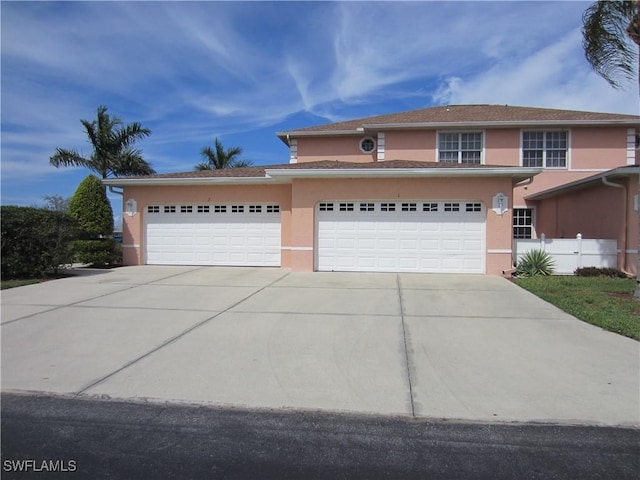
[(444, 346)]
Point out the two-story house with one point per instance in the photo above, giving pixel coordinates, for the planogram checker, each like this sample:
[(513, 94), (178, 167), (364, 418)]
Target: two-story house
[(441, 189)]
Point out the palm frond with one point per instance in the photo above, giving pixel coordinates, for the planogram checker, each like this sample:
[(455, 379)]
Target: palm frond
[(606, 43), (68, 158)]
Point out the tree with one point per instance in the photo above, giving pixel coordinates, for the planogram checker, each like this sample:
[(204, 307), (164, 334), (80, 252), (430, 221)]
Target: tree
[(57, 203), (92, 210), (113, 148), (608, 28), (218, 158)]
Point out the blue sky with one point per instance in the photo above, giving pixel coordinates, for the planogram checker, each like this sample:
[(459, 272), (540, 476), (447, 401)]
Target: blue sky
[(242, 71)]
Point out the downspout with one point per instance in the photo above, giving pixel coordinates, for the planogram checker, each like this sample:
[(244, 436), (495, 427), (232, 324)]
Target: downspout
[(112, 189), (524, 183), (623, 248)]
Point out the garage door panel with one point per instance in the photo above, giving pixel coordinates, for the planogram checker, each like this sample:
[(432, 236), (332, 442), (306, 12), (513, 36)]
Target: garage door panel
[(222, 238), (383, 239)]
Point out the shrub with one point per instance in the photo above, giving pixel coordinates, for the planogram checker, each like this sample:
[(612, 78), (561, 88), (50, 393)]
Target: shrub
[(600, 272), (90, 206), (98, 251), (35, 241), (534, 263)]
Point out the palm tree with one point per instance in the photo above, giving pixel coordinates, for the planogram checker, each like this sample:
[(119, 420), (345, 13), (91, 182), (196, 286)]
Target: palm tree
[(113, 148), (218, 158), (607, 28)]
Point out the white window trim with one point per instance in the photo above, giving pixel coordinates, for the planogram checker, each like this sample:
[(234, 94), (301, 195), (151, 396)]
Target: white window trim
[(373, 150), (534, 234), (482, 148), (567, 167)]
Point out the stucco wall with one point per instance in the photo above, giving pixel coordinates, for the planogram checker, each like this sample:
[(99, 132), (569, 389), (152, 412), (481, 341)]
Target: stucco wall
[(411, 145), (596, 212), (343, 148)]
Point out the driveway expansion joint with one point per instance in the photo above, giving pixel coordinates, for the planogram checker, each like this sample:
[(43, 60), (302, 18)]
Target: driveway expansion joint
[(406, 350)]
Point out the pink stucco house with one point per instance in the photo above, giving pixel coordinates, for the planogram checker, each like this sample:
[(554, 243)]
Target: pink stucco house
[(441, 189)]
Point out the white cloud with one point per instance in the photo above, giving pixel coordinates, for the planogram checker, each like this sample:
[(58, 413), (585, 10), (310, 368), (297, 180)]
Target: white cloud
[(191, 71), (556, 76)]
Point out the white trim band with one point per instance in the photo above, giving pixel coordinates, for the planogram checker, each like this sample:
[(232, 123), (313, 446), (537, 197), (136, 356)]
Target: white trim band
[(298, 249), (499, 250), (135, 245)]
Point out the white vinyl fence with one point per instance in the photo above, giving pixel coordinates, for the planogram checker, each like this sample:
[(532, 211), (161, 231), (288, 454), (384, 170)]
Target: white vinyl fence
[(571, 253)]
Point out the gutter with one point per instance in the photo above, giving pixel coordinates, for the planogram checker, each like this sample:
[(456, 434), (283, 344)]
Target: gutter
[(188, 181), (625, 225), (401, 172), (453, 125)]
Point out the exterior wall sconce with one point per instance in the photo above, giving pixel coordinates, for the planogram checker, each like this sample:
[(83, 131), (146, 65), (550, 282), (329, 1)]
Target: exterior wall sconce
[(131, 207), (500, 203)]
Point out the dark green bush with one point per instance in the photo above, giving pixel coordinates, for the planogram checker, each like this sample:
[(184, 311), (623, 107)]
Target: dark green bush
[(90, 206), (599, 272), (98, 251), (35, 241), (534, 263)]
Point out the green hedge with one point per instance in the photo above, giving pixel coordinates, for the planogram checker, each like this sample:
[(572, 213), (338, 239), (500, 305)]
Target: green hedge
[(99, 251), (35, 241), (599, 272)]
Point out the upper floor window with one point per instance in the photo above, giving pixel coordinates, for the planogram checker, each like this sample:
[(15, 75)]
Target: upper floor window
[(460, 147), (544, 149), (367, 145)]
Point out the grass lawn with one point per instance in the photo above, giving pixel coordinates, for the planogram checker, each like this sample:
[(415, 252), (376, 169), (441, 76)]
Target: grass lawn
[(17, 283), (605, 302)]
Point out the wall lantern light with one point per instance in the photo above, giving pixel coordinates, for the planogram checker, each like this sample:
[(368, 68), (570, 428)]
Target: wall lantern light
[(500, 203), (131, 207)]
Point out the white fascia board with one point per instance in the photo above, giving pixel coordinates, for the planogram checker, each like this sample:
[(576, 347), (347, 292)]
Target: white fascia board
[(147, 182), (518, 124), (316, 133), (577, 184), (403, 172)]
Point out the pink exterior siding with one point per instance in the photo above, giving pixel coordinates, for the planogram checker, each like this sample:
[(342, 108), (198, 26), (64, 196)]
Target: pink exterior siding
[(596, 212), (343, 148), (411, 145), (601, 148), (502, 147)]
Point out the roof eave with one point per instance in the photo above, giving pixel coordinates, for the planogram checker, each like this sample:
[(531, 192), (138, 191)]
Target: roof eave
[(147, 182), (285, 136), (584, 182), (521, 173)]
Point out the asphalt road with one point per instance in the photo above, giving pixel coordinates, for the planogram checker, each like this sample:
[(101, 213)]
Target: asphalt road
[(111, 439)]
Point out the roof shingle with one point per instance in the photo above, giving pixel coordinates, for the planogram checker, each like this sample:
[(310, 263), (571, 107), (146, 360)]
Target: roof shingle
[(260, 171), (470, 114)]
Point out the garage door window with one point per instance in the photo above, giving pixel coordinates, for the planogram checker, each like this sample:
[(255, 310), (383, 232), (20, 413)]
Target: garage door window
[(429, 207)]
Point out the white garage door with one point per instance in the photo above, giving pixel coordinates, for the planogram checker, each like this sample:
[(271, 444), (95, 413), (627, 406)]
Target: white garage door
[(224, 234), (407, 236)]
